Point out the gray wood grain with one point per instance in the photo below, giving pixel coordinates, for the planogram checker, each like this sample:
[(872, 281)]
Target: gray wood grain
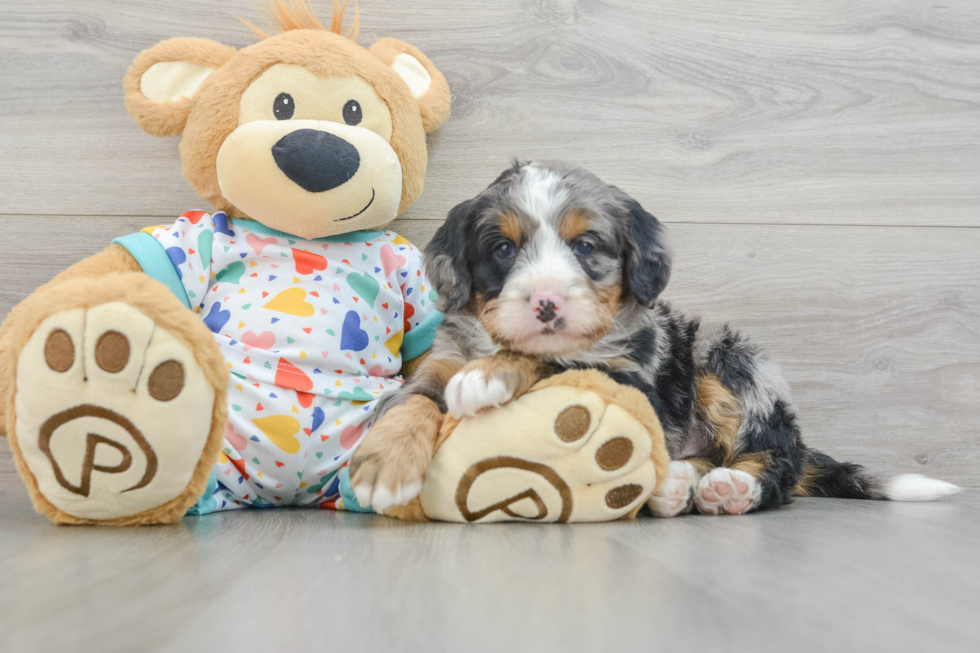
[(817, 163), (876, 328), (818, 575), (791, 112)]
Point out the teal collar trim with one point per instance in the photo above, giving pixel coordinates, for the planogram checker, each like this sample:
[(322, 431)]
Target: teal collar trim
[(351, 237)]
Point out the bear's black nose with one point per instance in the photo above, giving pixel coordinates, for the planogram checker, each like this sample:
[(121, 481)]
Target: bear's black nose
[(317, 161)]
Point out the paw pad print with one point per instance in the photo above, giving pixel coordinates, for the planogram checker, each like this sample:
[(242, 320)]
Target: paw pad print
[(559, 454), (112, 411)]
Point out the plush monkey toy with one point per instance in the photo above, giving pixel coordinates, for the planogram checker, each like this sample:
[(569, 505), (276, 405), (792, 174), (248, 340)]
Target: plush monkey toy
[(118, 406)]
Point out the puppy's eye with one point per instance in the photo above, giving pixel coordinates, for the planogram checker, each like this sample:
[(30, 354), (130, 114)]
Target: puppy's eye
[(504, 251), (284, 107), (583, 248), (352, 113)]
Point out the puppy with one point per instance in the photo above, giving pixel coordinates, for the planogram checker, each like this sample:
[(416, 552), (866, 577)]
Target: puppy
[(551, 269)]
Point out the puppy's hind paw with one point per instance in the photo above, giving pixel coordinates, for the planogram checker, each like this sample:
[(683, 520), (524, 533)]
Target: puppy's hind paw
[(675, 495), (727, 491)]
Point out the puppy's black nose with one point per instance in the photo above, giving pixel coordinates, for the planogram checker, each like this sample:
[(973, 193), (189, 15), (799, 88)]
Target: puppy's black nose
[(316, 160), (546, 310)]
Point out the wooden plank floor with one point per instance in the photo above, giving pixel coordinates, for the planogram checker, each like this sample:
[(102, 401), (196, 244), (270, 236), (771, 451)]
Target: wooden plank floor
[(817, 163), (820, 575)]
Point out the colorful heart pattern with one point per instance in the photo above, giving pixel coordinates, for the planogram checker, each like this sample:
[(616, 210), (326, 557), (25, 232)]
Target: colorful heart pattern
[(258, 244), (365, 286), (312, 334), (390, 260), (293, 302), (353, 337), (265, 340), (308, 262)]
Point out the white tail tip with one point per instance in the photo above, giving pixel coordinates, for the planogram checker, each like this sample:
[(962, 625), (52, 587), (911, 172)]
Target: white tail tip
[(916, 487)]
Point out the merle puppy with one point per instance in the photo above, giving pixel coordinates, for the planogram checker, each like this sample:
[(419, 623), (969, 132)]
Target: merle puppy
[(551, 269)]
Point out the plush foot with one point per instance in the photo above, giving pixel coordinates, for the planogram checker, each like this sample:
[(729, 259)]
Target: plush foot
[(675, 496), (725, 491), (112, 415), (557, 454)]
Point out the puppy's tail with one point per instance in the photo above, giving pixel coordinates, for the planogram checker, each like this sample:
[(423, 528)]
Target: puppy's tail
[(825, 477)]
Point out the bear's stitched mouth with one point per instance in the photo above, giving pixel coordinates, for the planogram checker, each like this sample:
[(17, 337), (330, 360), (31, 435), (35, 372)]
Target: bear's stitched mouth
[(351, 217)]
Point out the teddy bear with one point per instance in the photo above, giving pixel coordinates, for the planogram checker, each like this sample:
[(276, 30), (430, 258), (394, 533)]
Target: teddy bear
[(235, 358)]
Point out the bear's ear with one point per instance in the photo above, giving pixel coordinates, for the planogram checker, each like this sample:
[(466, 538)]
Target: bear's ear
[(161, 83), (427, 84)]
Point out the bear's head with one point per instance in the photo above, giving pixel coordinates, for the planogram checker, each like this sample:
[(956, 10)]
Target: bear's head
[(305, 131)]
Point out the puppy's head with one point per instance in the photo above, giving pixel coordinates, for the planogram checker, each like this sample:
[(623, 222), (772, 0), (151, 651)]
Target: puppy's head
[(547, 256)]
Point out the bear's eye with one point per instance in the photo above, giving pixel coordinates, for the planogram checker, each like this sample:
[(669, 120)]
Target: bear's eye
[(284, 107), (352, 112)]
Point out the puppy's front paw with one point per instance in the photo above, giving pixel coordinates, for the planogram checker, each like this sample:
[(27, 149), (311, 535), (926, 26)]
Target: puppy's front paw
[(381, 480), (382, 495), (472, 390), (389, 466)]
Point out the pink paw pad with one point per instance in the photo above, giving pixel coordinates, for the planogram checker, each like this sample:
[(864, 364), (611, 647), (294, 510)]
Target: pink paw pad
[(727, 491), (674, 496)]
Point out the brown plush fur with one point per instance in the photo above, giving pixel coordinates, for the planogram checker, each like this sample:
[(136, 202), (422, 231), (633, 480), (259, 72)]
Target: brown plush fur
[(205, 122), (168, 119), (155, 301), (213, 114), (434, 103), (114, 258)]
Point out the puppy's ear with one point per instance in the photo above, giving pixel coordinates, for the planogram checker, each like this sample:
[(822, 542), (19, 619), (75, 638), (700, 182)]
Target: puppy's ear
[(647, 257), (160, 84), (446, 257), (427, 84)]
